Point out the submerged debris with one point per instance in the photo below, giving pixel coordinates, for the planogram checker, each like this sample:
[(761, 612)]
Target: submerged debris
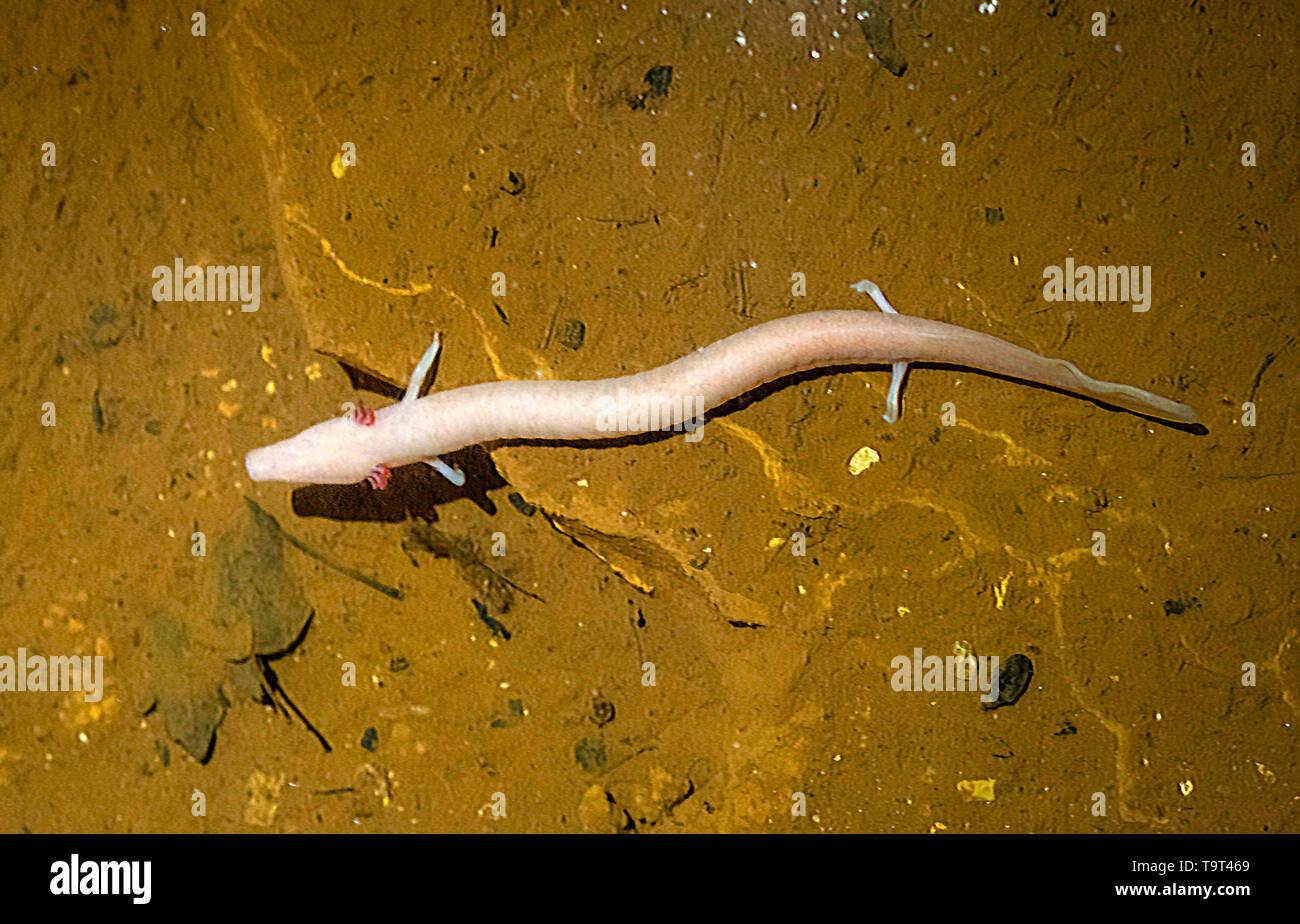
[(498, 628), (259, 614), (657, 80), (878, 29), (1013, 678)]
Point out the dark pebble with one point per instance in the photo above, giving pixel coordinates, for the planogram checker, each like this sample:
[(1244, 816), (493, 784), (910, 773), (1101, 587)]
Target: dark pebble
[(520, 504), (1014, 675), (602, 711), (97, 411), (573, 334), (658, 79)]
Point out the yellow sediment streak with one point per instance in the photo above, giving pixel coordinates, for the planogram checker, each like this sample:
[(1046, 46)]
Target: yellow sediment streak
[(498, 367), (295, 215), (1014, 454)]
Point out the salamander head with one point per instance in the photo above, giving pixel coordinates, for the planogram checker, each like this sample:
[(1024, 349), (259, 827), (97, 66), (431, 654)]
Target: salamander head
[(336, 451)]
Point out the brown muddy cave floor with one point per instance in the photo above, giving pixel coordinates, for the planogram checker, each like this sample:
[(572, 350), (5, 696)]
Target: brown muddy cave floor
[(523, 156)]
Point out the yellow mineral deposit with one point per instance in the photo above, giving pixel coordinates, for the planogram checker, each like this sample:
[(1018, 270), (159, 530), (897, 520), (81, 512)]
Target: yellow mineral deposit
[(1000, 591), (976, 790), (862, 460), (263, 798)]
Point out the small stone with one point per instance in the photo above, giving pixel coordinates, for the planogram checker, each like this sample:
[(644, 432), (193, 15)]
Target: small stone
[(520, 504), (862, 460), (1013, 679), (602, 711), (573, 334), (658, 79)]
